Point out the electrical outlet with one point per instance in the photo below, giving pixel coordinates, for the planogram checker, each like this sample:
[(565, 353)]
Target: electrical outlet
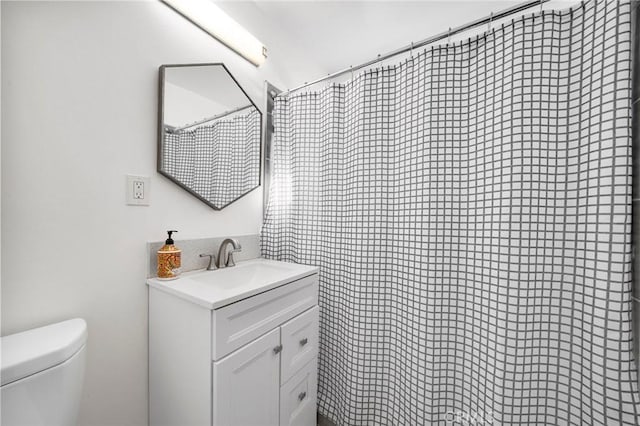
[(138, 190)]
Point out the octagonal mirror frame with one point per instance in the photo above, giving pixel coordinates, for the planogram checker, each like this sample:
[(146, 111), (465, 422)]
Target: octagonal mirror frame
[(207, 119)]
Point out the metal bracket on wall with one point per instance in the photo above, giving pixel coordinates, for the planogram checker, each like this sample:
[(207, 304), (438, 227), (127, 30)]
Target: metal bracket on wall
[(270, 94)]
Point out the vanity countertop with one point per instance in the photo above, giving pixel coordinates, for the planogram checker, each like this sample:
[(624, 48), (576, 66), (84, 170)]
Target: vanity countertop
[(215, 289)]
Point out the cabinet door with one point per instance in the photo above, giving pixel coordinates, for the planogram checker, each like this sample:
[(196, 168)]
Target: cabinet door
[(246, 384), (298, 397)]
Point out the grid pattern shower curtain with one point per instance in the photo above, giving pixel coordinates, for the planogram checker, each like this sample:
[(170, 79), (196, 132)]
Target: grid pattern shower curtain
[(469, 210), (219, 161)]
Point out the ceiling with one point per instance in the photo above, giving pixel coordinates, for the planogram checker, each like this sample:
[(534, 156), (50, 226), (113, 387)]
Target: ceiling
[(211, 81), (336, 34)]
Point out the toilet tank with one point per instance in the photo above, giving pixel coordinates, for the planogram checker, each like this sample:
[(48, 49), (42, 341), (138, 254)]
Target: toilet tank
[(42, 372)]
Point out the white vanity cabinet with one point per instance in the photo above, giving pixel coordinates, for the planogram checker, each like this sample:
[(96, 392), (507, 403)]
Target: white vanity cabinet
[(235, 347)]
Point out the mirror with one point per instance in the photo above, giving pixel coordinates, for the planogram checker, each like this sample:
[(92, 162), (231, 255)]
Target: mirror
[(209, 133)]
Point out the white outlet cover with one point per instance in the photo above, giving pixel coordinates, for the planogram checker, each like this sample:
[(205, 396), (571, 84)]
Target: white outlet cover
[(138, 198)]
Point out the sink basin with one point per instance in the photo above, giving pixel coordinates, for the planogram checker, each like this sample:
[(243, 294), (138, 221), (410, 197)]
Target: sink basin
[(214, 289), (246, 273)]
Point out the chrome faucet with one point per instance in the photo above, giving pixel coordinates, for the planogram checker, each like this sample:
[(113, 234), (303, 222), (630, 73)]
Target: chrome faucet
[(225, 258)]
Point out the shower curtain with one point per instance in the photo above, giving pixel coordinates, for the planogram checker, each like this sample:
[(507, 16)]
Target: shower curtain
[(219, 161), (470, 212)]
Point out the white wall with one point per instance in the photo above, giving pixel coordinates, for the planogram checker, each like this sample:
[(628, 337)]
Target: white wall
[(79, 95), (339, 34), (182, 106)]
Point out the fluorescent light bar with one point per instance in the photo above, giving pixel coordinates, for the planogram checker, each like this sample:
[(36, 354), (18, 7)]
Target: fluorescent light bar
[(221, 26)]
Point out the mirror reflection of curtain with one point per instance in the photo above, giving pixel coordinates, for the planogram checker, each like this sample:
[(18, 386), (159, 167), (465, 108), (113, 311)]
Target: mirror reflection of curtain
[(219, 161)]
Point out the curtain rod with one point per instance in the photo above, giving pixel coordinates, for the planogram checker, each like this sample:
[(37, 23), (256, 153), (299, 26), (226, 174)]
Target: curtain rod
[(438, 37), (197, 123)]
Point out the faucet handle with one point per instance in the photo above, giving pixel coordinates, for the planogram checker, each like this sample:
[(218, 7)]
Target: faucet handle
[(235, 249), (230, 261), (212, 265)]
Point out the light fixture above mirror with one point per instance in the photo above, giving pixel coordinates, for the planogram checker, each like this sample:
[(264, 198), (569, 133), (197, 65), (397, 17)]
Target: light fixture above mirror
[(222, 27)]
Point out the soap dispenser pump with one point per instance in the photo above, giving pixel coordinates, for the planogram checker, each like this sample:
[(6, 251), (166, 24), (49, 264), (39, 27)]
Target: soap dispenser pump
[(169, 259)]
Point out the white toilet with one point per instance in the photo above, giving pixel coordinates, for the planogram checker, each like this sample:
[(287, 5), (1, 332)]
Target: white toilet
[(42, 371)]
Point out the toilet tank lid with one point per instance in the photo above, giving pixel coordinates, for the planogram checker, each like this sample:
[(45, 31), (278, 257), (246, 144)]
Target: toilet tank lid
[(32, 351)]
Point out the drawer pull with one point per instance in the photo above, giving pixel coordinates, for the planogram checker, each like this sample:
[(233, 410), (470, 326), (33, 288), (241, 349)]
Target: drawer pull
[(303, 341), (301, 396), (277, 349)]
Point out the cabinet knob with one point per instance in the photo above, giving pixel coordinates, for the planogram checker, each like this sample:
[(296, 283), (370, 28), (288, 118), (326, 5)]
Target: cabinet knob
[(277, 349), (303, 341), (301, 396)]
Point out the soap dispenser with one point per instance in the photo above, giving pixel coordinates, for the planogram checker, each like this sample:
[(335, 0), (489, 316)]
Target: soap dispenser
[(169, 260)]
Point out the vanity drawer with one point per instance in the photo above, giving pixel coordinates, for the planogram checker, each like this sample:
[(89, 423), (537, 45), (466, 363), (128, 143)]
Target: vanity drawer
[(239, 323), (298, 397), (299, 338)]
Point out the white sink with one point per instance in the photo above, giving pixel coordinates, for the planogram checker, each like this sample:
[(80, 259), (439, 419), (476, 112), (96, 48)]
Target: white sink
[(214, 289)]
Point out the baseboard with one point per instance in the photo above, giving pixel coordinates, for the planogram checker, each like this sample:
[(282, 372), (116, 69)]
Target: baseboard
[(324, 421)]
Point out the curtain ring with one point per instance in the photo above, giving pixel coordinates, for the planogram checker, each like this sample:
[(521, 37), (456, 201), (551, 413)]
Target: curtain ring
[(490, 21), (411, 50), (449, 36), (351, 68)]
